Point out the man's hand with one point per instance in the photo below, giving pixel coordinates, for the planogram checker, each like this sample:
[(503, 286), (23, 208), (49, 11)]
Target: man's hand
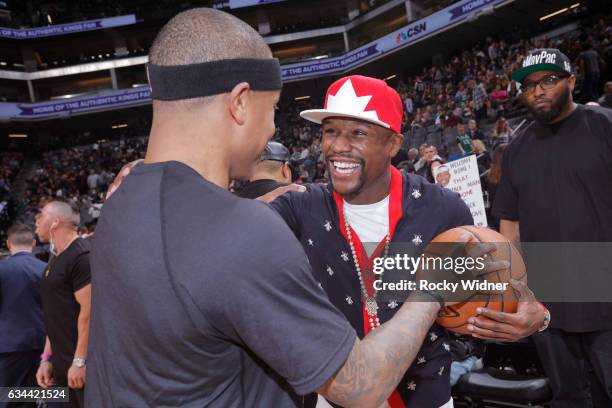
[(500, 326), (125, 170), (76, 377), (44, 375), (266, 198), (471, 249)]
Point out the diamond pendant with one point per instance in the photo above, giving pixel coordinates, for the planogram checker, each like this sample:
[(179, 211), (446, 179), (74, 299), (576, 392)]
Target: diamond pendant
[(371, 306)]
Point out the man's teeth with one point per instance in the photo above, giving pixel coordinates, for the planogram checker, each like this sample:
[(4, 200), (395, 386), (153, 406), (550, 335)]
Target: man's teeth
[(345, 167)]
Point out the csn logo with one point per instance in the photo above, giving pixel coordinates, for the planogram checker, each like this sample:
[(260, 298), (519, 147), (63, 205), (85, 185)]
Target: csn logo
[(411, 32)]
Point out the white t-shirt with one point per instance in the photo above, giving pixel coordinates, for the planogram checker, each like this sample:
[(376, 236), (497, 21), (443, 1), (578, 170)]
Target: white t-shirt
[(370, 222)]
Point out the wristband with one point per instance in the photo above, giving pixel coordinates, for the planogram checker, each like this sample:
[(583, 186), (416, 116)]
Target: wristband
[(45, 357)]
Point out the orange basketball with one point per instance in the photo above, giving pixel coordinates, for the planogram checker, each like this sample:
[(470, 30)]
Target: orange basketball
[(455, 317)]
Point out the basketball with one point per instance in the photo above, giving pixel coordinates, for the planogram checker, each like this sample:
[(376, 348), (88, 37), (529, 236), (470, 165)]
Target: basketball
[(455, 317)]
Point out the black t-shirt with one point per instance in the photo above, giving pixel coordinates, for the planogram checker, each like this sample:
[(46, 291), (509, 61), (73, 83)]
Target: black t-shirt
[(201, 298), (65, 274), (257, 188), (557, 182)]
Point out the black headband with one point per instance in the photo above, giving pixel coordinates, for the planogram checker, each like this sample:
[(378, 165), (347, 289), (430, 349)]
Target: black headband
[(175, 82)]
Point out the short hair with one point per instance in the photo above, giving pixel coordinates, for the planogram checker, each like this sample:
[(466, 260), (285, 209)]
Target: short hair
[(270, 166), (67, 211), (203, 35), (20, 235)]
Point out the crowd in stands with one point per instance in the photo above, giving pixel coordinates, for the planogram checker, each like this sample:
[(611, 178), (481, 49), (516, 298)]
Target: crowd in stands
[(466, 104), (80, 174), (9, 167), (472, 94)]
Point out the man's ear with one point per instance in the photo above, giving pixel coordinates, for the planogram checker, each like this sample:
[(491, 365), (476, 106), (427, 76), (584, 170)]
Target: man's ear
[(396, 143), (238, 101), (571, 81), (8, 245), (287, 176)]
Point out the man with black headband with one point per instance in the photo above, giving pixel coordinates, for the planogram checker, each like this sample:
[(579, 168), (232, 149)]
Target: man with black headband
[(556, 186), (202, 298)]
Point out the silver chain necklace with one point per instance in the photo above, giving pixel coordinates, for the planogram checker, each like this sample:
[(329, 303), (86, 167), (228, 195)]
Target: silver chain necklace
[(370, 302)]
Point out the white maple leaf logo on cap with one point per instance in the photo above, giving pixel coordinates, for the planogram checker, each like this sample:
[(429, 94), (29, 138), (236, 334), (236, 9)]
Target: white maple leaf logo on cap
[(347, 101)]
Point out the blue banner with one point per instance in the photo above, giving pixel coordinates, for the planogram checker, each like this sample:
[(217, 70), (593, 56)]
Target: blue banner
[(468, 8), (394, 41), (417, 30), (327, 65), (69, 28), (55, 109)]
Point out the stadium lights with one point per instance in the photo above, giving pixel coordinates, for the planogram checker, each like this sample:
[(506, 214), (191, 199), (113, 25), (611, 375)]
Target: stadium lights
[(573, 6), (2, 63), (121, 125), (563, 10), (320, 57), (17, 135), (301, 98), (390, 77)]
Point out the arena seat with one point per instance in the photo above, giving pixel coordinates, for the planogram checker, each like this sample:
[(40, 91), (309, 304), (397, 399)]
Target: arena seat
[(434, 137), (418, 137), (495, 385), (449, 138)]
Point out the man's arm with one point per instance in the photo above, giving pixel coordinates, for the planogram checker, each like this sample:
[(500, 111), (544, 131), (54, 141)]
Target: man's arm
[(44, 374), (76, 375), (530, 315), (83, 297), (377, 363)]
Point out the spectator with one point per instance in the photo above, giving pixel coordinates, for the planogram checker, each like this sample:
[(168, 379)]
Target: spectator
[(21, 321), (473, 130), (93, 180), (429, 152), (606, 99), (501, 132), (412, 155), (464, 142), (482, 156), (480, 99), (490, 182), (589, 62)]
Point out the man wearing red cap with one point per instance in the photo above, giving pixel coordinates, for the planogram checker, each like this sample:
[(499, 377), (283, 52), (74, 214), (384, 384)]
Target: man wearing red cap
[(369, 202)]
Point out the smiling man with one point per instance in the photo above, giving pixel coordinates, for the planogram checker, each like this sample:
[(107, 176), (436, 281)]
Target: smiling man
[(368, 205), (556, 186)]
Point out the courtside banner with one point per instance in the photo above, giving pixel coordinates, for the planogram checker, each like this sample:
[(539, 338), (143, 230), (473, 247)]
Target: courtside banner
[(75, 106), (69, 28), (394, 41)]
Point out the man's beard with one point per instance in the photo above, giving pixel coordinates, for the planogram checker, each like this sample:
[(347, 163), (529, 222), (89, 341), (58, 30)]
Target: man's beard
[(556, 108)]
